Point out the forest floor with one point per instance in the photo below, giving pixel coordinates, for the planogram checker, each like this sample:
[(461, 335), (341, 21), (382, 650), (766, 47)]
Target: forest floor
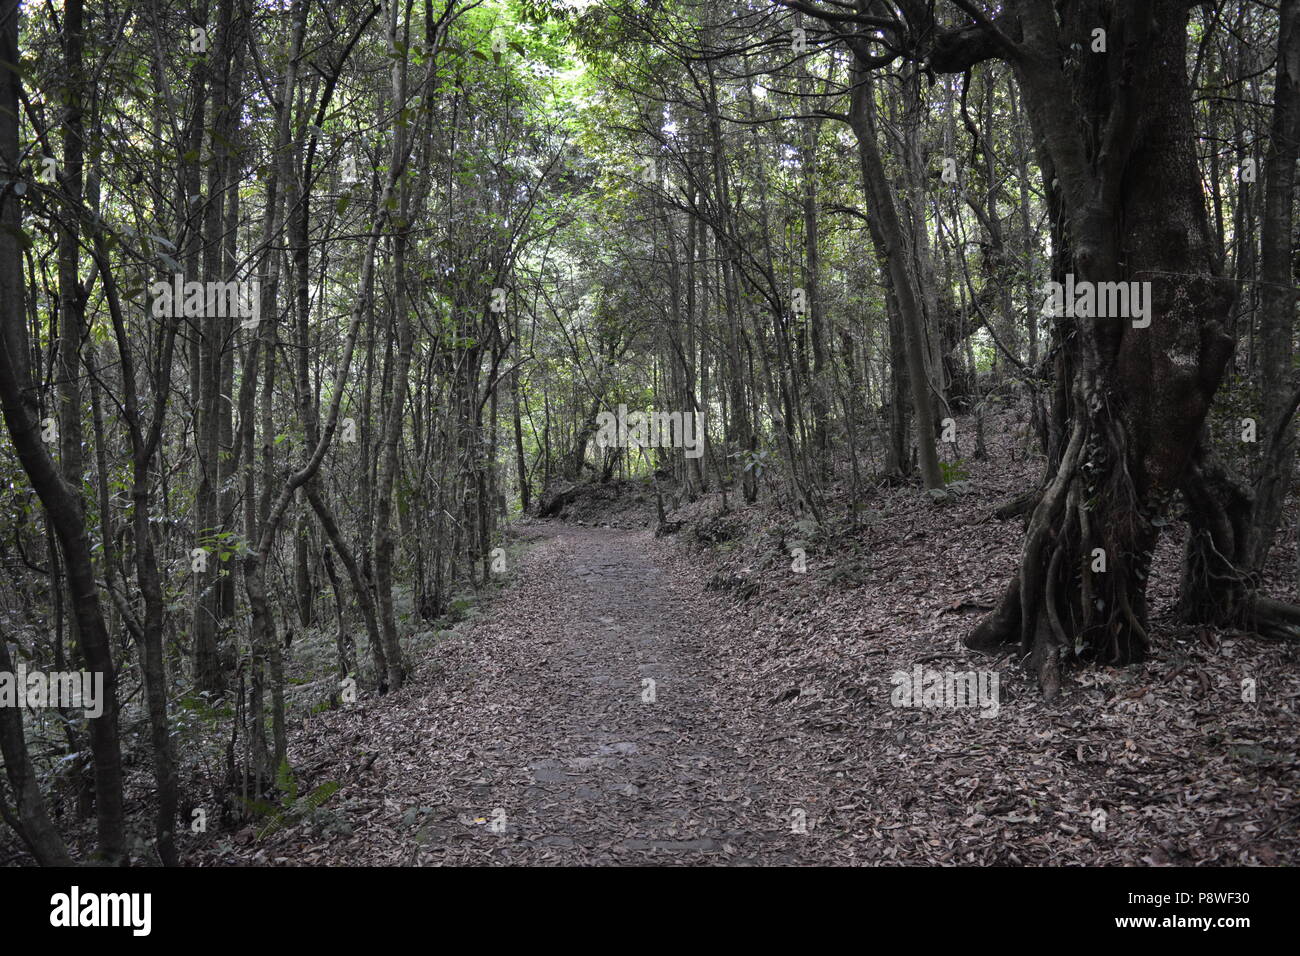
[(773, 736), (533, 738)]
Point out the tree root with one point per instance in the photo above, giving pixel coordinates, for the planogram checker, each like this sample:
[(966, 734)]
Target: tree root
[(1269, 619), (1001, 626), (1022, 504)]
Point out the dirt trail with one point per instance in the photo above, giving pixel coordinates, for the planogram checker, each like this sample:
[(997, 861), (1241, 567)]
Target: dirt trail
[(525, 739), (540, 743)]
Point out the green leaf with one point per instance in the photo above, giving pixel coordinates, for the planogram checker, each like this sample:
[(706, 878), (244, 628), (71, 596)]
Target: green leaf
[(274, 825), (317, 798), (284, 781)]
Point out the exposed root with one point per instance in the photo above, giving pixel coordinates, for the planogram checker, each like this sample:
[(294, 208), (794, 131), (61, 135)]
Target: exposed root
[(1020, 505), (1269, 619), (1001, 626), (1060, 606)]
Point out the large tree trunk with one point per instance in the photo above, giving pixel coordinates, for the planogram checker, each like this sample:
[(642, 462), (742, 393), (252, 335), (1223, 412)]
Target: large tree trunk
[(1137, 396)]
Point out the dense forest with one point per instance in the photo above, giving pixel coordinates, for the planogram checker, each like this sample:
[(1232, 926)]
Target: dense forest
[(397, 391)]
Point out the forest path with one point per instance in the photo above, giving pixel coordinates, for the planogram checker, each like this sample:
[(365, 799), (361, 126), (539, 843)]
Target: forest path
[(540, 744), (524, 738)]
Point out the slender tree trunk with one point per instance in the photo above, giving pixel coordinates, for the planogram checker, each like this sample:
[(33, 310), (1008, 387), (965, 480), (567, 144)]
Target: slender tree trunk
[(1277, 294), (35, 827), (62, 502), (891, 236)]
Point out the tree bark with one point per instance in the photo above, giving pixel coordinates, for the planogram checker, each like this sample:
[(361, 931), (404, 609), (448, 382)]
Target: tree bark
[(885, 214), (1137, 397), (1277, 294), (35, 827), (62, 502)]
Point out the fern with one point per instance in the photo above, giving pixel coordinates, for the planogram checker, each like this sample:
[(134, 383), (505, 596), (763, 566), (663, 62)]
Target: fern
[(953, 471), (316, 799), (292, 808), (285, 782), (273, 825)]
